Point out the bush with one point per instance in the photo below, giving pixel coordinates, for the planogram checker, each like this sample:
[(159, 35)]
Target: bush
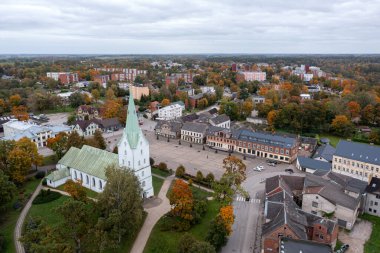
[(162, 166), (188, 244), (17, 205), (200, 209), (217, 234), (180, 172), (199, 177), (2, 243), (44, 182), (151, 161), (210, 178), (46, 196), (190, 182), (40, 174)]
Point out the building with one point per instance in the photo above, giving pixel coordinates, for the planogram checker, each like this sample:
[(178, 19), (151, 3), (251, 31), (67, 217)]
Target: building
[(15, 130), (193, 132), (176, 77), (305, 96), (172, 111), (307, 77), (262, 144), (208, 89), (88, 164), (109, 125), (86, 127), (4, 120), (138, 91), (289, 245), (258, 99), (194, 100), (324, 153), (285, 218), (168, 128), (64, 77), (250, 76), (357, 160), (86, 112), (372, 205), (123, 74), (221, 121), (312, 166), (102, 80)]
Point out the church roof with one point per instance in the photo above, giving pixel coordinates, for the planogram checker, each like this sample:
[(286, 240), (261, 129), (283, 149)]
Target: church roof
[(89, 160), (58, 175), (132, 128)]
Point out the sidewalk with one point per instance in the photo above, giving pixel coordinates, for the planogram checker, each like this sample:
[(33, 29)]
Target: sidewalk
[(154, 214)]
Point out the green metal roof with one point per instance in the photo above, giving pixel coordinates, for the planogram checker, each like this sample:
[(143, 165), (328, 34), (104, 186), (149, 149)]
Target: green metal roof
[(90, 160), (58, 175), (132, 128)]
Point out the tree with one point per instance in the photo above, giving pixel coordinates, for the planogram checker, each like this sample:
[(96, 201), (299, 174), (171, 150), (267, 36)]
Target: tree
[(95, 94), (188, 244), (210, 177), (15, 100), (226, 214), (247, 108), (120, 205), (76, 190), (354, 109), (368, 114), (99, 139), (181, 201), (165, 102), (3, 106), (342, 126), (271, 117), (112, 108), (217, 234), (76, 99), (78, 219), (7, 190), (20, 164), (20, 112), (223, 192), (110, 95), (199, 176), (5, 148), (202, 103), (180, 171), (74, 140), (235, 170), (31, 149), (58, 144)]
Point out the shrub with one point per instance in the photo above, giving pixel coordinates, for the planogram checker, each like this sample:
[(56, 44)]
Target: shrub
[(46, 196), (188, 244), (151, 161), (180, 172), (199, 177), (162, 166), (200, 209), (44, 182), (217, 234), (40, 174), (17, 205), (190, 182), (2, 243), (210, 178)]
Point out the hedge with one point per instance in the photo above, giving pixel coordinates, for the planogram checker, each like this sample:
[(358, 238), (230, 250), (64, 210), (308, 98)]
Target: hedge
[(46, 196)]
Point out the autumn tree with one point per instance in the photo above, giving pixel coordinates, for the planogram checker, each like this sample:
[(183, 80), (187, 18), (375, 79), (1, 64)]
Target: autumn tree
[(342, 126), (3, 106), (20, 164), (7, 190), (76, 190), (111, 108), (58, 144), (353, 108), (188, 244), (181, 201), (98, 137), (226, 213), (5, 148), (15, 100), (110, 94), (235, 169), (165, 102), (180, 171), (31, 149), (217, 234), (202, 103), (95, 94), (271, 117), (247, 108), (76, 99), (74, 140), (120, 206), (20, 112), (368, 114)]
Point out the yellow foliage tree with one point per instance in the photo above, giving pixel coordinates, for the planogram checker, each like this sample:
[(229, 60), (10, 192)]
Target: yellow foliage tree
[(20, 112), (76, 190), (165, 102)]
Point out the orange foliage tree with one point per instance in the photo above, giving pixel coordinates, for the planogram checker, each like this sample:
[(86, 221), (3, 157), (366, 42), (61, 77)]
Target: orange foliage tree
[(226, 213), (111, 108), (181, 201), (271, 117), (15, 100), (353, 108), (165, 102), (20, 112), (76, 190)]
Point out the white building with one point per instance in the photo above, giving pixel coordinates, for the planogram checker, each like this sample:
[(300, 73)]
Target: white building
[(169, 112), (194, 132), (15, 130), (86, 127), (305, 96), (221, 121), (88, 164), (208, 89), (307, 77)]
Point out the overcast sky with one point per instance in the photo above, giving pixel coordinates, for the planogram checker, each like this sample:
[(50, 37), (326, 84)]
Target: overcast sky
[(196, 26)]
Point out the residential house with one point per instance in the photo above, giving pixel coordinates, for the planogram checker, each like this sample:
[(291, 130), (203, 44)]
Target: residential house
[(258, 99), (312, 166), (86, 127), (138, 91), (89, 164), (109, 125), (251, 76), (357, 160), (221, 120), (63, 77), (372, 205), (194, 100), (305, 96), (168, 128), (102, 80), (86, 112), (324, 153), (193, 132)]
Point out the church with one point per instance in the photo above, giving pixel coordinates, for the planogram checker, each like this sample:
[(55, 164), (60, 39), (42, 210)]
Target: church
[(88, 164)]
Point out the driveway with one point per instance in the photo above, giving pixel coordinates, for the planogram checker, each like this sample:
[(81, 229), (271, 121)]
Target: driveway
[(357, 237)]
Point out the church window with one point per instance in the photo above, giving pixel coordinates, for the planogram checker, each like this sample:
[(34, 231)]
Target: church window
[(144, 161), (81, 177), (100, 184), (125, 152), (93, 181), (142, 173), (87, 180), (141, 151), (139, 162), (143, 183), (75, 173), (129, 163)]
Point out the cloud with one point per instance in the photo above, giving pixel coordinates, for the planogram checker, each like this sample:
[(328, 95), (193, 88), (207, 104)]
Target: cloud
[(198, 26)]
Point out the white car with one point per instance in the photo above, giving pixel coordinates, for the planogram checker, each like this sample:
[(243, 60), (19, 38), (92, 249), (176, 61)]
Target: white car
[(259, 168)]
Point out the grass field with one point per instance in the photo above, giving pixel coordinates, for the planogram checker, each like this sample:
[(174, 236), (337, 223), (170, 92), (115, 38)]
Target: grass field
[(160, 172), (51, 159), (89, 193), (157, 184), (333, 139), (373, 244), (167, 241), (8, 221)]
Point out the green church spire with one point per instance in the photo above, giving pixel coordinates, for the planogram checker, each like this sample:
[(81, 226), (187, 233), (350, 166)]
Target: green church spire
[(132, 128)]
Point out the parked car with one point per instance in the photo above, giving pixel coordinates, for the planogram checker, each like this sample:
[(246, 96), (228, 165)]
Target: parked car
[(289, 170), (271, 164), (259, 168), (343, 248)]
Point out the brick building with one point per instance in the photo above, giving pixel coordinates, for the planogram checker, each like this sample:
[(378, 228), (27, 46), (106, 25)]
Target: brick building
[(64, 77), (174, 78)]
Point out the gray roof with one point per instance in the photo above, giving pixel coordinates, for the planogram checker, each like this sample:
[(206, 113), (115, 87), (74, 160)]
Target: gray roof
[(175, 126), (326, 151), (306, 162), (194, 127), (213, 129), (267, 138), (289, 245), (358, 151), (347, 182), (220, 119), (374, 186)]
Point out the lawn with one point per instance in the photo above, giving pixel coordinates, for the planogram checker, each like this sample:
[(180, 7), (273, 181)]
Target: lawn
[(46, 211), (11, 215), (89, 192), (157, 184), (333, 139), (373, 244), (160, 172), (59, 109), (51, 159), (167, 241)]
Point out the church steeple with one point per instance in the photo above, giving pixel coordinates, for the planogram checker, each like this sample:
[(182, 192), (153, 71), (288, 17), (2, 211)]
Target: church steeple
[(132, 128)]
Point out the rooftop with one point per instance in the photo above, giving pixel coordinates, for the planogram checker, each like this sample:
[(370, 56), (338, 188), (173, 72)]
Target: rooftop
[(358, 151), (288, 245), (267, 138)]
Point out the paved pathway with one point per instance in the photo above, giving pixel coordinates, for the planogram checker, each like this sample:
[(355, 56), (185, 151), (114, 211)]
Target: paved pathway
[(20, 221), (154, 214)]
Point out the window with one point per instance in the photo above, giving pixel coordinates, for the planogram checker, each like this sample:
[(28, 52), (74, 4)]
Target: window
[(129, 163), (144, 161), (370, 209), (139, 162), (316, 197), (371, 203), (314, 204), (376, 203), (143, 183), (87, 180), (100, 184), (93, 181), (142, 173), (320, 236), (141, 151), (75, 173)]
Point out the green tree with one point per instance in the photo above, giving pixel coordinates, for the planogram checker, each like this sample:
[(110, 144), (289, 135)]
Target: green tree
[(180, 171), (7, 190), (217, 234), (99, 139), (76, 99), (199, 177), (74, 140), (95, 94), (188, 244), (120, 205), (5, 148)]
